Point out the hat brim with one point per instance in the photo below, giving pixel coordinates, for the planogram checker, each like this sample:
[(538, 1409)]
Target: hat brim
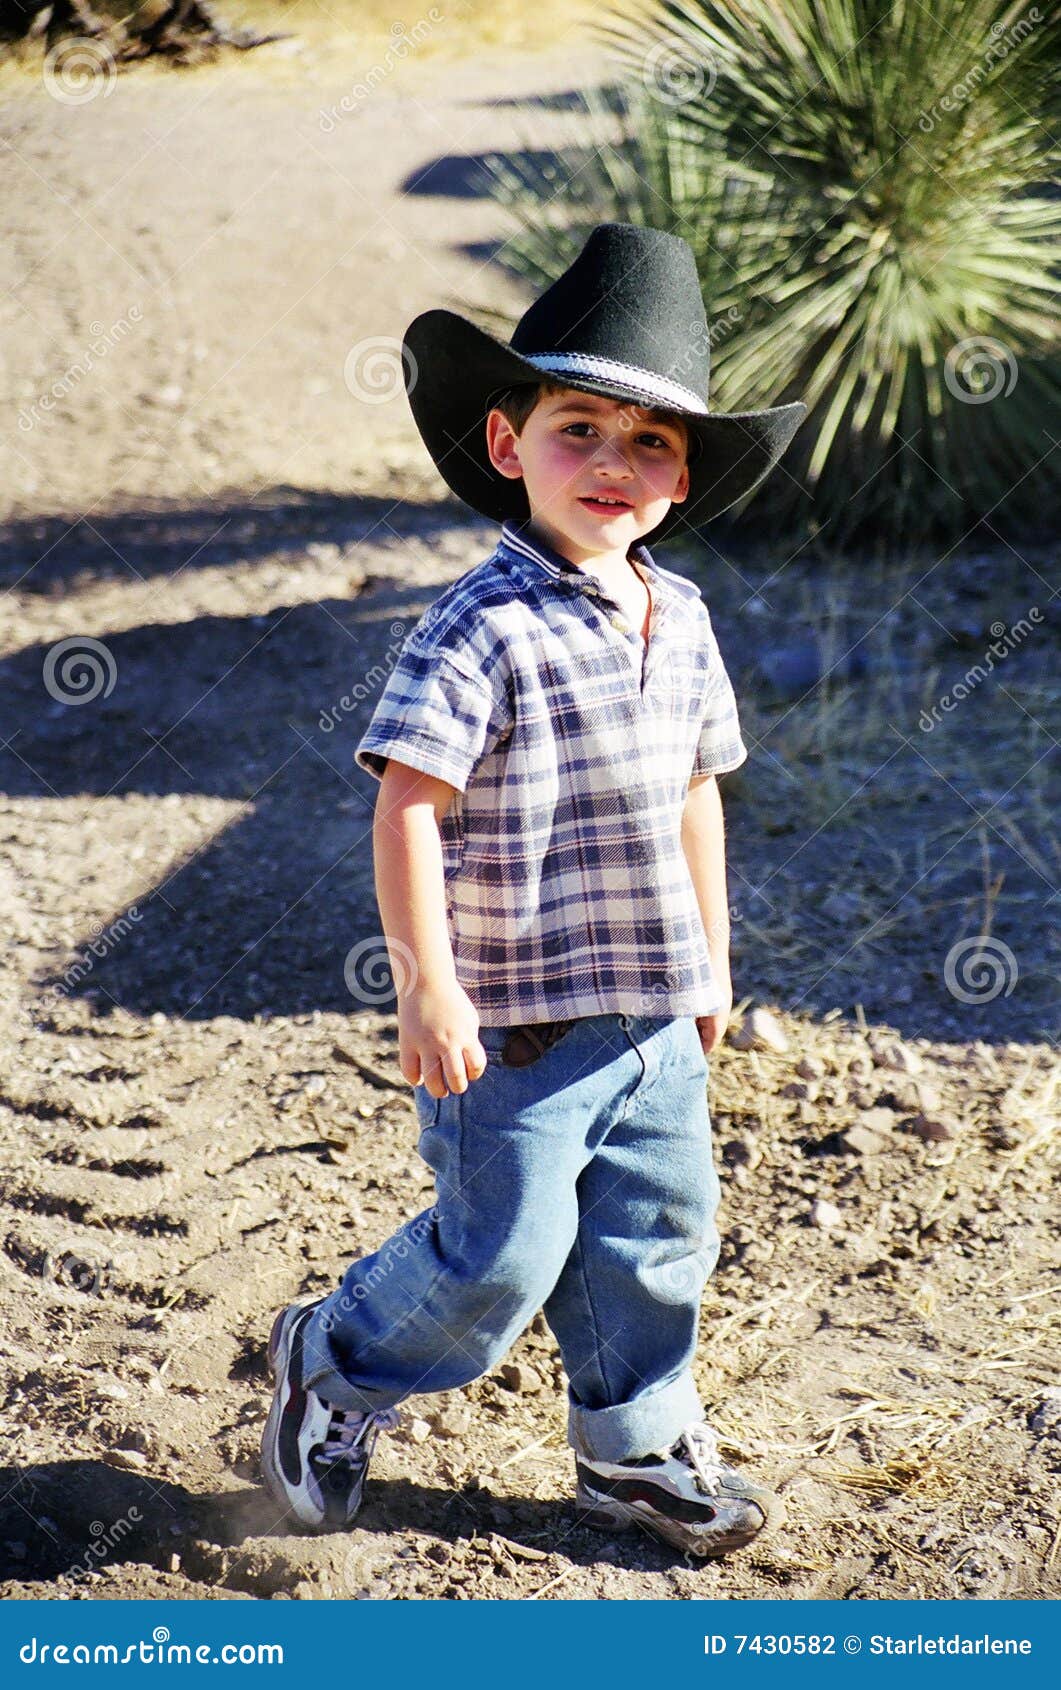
[(452, 367)]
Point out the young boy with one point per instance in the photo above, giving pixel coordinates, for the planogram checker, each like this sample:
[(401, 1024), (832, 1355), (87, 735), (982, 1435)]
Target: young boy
[(551, 881)]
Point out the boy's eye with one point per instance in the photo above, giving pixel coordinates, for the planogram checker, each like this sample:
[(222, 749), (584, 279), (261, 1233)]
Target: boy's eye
[(646, 434)]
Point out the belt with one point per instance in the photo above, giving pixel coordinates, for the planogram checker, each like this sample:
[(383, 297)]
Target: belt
[(527, 1043)]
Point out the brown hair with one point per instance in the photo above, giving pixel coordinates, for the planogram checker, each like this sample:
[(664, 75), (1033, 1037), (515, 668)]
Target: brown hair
[(517, 403)]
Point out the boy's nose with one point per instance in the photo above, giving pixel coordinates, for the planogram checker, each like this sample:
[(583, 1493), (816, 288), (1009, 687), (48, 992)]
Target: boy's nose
[(611, 456)]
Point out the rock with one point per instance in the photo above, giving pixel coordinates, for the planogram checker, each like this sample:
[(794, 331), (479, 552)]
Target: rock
[(878, 1119), (521, 1376), (865, 1141), (418, 1431), (914, 1097), (899, 1057), (525, 1551), (102, 1386), (741, 1153), (130, 1460), (454, 1421), (760, 1030), (935, 1129), (810, 1068), (1047, 1415), (824, 1214), (136, 1437)]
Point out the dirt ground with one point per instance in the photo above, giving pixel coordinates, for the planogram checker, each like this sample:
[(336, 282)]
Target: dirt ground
[(201, 1115)]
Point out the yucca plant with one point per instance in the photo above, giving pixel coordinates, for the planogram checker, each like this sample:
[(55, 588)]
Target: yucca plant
[(867, 187)]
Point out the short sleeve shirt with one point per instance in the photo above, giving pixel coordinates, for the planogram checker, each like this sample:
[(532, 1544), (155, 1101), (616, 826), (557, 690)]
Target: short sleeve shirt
[(571, 747)]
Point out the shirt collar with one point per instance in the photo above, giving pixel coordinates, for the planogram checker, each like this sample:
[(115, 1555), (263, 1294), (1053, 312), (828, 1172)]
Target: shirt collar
[(517, 536)]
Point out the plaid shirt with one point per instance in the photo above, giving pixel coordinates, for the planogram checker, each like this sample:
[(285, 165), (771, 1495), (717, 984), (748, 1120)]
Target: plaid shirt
[(523, 686)]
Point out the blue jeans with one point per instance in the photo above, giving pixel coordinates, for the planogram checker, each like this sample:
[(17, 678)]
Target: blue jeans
[(582, 1185)]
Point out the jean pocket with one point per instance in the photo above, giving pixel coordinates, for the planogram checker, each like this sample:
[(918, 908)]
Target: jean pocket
[(427, 1107), (494, 1039), (698, 1055), (439, 1144)]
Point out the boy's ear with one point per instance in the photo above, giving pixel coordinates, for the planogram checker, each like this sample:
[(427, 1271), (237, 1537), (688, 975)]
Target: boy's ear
[(502, 444)]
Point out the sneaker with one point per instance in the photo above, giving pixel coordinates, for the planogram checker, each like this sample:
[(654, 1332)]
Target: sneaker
[(685, 1495), (314, 1456)]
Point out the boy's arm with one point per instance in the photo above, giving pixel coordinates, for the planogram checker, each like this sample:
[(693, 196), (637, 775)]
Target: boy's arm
[(704, 845), (437, 1021)]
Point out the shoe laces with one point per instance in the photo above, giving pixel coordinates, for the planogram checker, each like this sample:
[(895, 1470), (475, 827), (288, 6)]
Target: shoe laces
[(353, 1433), (697, 1446)]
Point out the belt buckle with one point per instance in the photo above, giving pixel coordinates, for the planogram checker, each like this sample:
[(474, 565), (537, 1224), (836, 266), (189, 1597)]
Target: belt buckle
[(528, 1042)]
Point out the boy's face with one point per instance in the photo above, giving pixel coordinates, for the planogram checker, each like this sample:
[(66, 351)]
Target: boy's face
[(576, 448)]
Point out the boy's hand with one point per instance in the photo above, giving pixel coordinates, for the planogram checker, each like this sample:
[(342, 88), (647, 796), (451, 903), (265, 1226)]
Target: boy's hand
[(438, 1040), (712, 1028)]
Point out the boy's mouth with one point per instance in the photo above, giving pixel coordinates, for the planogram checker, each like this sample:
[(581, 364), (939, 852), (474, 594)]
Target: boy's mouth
[(606, 506)]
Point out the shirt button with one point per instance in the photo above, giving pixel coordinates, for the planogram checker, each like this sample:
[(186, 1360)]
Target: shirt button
[(618, 622)]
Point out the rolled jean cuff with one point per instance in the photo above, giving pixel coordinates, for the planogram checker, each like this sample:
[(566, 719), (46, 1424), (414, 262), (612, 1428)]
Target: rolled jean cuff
[(320, 1374), (627, 1430)]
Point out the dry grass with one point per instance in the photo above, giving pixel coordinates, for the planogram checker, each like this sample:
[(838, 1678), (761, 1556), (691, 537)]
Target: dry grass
[(950, 831), (466, 26), (347, 38)]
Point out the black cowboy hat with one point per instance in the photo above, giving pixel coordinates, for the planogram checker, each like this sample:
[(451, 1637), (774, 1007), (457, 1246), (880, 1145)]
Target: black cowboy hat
[(625, 320)]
